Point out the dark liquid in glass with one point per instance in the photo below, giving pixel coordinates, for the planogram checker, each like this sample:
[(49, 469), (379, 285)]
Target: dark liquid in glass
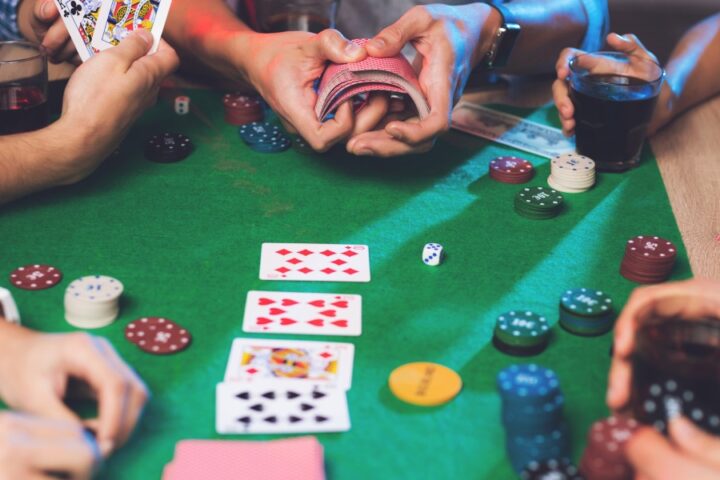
[(23, 108), (677, 365), (612, 113), (296, 21)]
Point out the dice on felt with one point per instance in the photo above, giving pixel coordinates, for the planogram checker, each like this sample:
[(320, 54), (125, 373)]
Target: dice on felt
[(182, 105), (433, 254)]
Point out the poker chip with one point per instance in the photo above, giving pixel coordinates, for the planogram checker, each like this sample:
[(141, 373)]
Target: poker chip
[(648, 259), (92, 301), (571, 173), (511, 170), (168, 147), (274, 145), (35, 277), (532, 413), (425, 384), (538, 203), (552, 469), (604, 457), (521, 333), (241, 109), (158, 335), (586, 311)]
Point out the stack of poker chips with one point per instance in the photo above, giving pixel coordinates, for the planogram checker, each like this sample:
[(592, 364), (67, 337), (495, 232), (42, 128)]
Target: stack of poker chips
[(92, 301), (604, 458), (242, 109), (168, 147), (584, 311), (538, 203), (571, 173), (532, 414), (521, 333), (264, 137), (648, 259), (551, 470), (511, 170)]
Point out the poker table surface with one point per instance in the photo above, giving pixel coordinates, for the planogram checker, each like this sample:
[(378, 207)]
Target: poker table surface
[(185, 239)]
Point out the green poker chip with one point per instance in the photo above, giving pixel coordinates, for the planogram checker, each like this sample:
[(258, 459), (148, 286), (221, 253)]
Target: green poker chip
[(522, 329), (538, 202), (586, 302)]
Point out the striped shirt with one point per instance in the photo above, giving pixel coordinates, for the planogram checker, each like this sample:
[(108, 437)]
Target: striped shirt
[(8, 20)]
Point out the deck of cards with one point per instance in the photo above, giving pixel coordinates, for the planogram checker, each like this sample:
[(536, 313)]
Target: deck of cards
[(96, 25), (294, 386)]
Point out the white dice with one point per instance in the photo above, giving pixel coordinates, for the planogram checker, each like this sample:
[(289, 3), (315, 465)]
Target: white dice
[(182, 105), (8, 309), (432, 254)]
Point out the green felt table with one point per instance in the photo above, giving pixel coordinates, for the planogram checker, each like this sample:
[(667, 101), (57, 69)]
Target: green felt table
[(185, 240)]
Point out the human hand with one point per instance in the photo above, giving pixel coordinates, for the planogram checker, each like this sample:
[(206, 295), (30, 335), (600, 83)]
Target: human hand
[(283, 68), (105, 96), (627, 43), (450, 41), (35, 448), (689, 452), (694, 298), (40, 22), (36, 368)]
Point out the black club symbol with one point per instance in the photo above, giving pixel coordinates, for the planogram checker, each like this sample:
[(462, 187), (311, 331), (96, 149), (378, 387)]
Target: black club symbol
[(75, 8)]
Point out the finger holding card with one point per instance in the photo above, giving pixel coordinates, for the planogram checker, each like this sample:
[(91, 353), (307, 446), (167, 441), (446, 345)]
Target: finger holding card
[(80, 19), (118, 18)]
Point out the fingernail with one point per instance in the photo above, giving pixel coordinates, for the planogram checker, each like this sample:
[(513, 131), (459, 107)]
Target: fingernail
[(43, 9), (620, 37), (145, 35), (106, 447), (378, 42), (352, 49)]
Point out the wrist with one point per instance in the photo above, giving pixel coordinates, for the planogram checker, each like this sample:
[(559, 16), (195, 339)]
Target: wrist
[(76, 143), (229, 53), (491, 23)]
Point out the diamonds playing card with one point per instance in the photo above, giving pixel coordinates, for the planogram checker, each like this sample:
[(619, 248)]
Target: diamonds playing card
[(117, 18), (315, 262), (80, 18), (303, 313), (280, 407), (315, 362)]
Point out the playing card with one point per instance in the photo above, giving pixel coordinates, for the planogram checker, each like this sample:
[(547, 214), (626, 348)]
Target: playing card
[(315, 262), (9, 310), (303, 313), (510, 130), (80, 18), (319, 362), (117, 18), (280, 407)]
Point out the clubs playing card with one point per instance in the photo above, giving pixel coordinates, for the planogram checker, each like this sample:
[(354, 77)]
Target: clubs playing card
[(303, 313), (280, 407), (315, 262), (80, 18), (117, 18), (317, 362), (510, 130)]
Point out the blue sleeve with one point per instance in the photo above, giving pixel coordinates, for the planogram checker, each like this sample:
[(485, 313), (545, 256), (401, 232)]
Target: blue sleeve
[(8, 20), (598, 24)]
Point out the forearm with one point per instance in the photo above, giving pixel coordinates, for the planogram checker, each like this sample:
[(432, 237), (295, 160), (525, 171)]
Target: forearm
[(210, 34), (29, 161), (693, 71), (547, 28)]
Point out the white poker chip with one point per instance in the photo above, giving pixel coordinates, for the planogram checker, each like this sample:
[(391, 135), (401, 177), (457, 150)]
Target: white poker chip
[(93, 301), (571, 173)]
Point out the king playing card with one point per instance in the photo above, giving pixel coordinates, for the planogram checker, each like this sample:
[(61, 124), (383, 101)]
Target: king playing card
[(303, 313), (117, 18), (315, 262)]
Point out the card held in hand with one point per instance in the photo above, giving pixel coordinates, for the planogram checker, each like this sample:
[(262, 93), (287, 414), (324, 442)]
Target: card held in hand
[(280, 407), (80, 19), (117, 18)]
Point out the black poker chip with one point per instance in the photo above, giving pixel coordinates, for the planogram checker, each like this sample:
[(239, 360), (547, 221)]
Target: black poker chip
[(168, 147)]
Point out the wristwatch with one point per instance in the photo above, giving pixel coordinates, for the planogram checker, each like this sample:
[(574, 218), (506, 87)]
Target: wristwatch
[(504, 39)]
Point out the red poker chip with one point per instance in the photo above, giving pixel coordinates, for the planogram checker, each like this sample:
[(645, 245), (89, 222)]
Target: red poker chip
[(604, 456), (651, 248), (158, 335), (511, 170), (35, 277), (240, 101)]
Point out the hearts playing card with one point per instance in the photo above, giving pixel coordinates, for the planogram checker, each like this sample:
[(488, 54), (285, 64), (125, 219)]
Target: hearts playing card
[(80, 18), (315, 262), (280, 407), (117, 18), (318, 362), (303, 313)]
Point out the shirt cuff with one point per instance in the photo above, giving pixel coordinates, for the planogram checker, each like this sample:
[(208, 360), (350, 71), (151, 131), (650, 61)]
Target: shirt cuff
[(9, 29), (598, 24)]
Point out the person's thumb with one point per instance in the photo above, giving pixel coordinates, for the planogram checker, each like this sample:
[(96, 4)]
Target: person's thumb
[(332, 45)]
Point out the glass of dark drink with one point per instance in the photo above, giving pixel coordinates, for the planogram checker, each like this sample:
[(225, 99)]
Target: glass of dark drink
[(23, 87), (296, 15), (614, 95), (676, 370)]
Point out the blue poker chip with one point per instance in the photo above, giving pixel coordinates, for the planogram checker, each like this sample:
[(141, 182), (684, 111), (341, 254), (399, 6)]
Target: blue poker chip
[(274, 145), (259, 131), (525, 384)]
